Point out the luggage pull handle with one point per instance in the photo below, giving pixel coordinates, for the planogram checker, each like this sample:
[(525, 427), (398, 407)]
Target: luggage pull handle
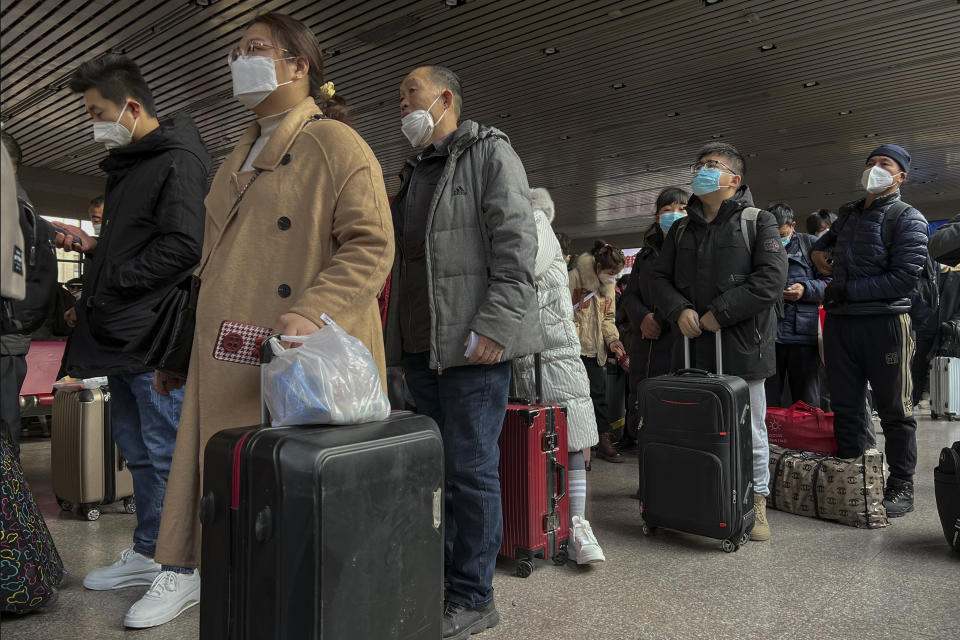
[(688, 370), (538, 385)]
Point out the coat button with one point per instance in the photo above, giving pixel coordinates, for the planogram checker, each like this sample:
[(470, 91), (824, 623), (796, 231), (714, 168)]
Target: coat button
[(232, 342), (285, 159), (284, 223), (284, 291)]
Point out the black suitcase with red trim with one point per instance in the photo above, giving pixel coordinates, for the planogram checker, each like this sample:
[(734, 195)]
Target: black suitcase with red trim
[(696, 454), (323, 532)]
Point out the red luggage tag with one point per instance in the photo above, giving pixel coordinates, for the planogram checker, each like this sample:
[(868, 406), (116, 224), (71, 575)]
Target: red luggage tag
[(239, 342)]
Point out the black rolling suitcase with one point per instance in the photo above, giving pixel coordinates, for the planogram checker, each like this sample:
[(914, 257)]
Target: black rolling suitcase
[(696, 452), (946, 478), (323, 532)]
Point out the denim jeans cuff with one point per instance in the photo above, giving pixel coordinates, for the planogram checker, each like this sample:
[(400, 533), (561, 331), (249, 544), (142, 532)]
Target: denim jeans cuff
[(144, 550), (181, 570)]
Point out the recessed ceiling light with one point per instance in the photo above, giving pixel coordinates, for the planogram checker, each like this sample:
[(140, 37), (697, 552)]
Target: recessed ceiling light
[(782, 169), (204, 3), (564, 137), (454, 3), (869, 135), (331, 52), (549, 51), (808, 182), (768, 47), (829, 193), (752, 155), (617, 85), (616, 13), (845, 113), (782, 130), (717, 135), (707, 3), (614, 155), (504, 115), (812, 83), (673, 114)]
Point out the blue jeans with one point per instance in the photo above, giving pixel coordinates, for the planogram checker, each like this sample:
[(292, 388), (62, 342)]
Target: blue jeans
[(145, 429), (469, 403)]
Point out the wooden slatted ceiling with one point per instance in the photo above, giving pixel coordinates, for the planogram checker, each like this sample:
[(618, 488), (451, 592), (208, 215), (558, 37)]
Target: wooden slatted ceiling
[(892, 63)]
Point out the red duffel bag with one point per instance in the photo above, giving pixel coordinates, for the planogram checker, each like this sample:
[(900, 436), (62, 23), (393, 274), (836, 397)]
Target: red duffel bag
[(802, 427)]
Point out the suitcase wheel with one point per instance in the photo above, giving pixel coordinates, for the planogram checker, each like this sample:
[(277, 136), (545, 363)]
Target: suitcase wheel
[(524, 568), (90, 512), (130, 505), (729, 546), (933, 415), (66, 505), (647, 530), (744, 538), (561, 558)]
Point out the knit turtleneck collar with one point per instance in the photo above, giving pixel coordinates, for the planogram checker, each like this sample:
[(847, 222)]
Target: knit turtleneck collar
[(269, 124)]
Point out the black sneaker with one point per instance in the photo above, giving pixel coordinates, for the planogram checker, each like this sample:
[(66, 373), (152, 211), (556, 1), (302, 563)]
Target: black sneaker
[(459, 622), (898, 497)]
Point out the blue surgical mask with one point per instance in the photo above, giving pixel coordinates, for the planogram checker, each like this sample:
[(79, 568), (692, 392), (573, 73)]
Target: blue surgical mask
[(785, 241), (705, 181), (667, 220)]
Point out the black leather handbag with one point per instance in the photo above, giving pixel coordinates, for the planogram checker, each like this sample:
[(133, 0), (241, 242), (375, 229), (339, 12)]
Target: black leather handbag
[(166, 344)]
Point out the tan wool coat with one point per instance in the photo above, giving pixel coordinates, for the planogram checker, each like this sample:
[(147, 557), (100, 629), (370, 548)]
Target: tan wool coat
[(312, 235), (595, 318)]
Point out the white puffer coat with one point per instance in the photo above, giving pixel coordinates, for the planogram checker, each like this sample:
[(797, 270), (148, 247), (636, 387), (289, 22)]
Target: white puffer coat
[(565, 379)]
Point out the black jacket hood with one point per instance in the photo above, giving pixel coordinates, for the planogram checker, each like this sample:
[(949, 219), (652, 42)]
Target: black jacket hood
[(177, 132)]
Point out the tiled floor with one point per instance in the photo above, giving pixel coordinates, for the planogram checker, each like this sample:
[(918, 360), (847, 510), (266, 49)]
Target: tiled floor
[(812, 580)]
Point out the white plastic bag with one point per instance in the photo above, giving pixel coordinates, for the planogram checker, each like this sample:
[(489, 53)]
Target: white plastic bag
[(330, 378)]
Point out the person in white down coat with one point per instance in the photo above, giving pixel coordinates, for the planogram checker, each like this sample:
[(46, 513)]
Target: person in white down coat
[(564, 379)]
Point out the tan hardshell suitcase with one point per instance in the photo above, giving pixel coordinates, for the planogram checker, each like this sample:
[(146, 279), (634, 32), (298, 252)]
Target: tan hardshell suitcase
[(88, 470)]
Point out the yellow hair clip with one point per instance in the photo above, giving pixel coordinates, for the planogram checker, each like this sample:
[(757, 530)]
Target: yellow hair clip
[(327, 91)]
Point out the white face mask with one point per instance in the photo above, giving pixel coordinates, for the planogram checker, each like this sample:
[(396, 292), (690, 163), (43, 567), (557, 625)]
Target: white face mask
[(96, 229), (254, 78), (876, 179), (418, 125), (606, 278), (113, 134)]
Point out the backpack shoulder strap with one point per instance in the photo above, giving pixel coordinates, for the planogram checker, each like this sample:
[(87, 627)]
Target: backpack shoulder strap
[(888, 227), (748, 226), (805, 244)]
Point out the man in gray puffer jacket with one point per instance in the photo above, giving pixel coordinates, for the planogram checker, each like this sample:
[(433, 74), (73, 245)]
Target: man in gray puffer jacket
[(466, 305)]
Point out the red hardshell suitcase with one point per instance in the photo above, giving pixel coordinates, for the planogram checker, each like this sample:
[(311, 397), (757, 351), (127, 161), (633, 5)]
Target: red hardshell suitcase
[(533, 483)]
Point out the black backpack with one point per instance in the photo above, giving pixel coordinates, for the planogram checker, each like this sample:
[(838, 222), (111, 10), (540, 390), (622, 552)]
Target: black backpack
[(40, 259)]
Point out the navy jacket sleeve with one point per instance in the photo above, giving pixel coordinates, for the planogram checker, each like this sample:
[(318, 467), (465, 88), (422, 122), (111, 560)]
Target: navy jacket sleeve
[(666, 296), (814, 287), (175, 252), (763, 287), (908, 255)]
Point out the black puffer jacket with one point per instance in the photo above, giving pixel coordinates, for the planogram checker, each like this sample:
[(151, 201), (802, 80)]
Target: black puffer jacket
[(711, 269), (151, 239), (876, 280)]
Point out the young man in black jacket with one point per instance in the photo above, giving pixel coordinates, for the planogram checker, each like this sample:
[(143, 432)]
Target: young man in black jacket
[(878, 247), (723, 266), (151, 238)]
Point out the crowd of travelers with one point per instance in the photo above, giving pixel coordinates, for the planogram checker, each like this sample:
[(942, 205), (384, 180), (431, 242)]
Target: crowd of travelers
[(299, 212)]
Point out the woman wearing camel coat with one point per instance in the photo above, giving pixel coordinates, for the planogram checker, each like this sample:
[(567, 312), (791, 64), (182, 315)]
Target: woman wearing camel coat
[(312, 235)]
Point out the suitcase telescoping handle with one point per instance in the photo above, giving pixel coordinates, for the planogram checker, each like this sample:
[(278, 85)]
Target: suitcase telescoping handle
[(686, 356)]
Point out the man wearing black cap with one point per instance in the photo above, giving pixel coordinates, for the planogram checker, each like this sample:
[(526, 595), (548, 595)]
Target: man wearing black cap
[(878, 248)]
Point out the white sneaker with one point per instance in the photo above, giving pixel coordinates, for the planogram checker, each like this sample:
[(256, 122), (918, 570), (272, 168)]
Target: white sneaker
[(131, 570), (583, 544), (170, 595)]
